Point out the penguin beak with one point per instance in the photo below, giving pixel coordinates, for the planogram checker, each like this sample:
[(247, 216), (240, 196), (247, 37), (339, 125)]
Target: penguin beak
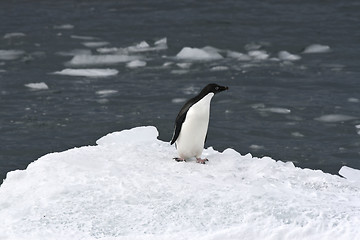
[(223, 88)]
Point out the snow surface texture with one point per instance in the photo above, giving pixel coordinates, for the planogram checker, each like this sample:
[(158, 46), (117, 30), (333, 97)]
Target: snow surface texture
[(128, 187)]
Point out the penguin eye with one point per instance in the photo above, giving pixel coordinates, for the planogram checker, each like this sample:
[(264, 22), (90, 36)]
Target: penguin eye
[(216, 88)]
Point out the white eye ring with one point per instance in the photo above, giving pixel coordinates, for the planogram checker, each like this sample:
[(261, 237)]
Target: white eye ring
[(216, 88)]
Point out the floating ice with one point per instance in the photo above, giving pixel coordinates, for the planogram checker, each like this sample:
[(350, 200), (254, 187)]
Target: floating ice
[(197, 54), (37, 86), (316, 48), (275, 110), (258, 54), (95, 44), (178, 100), (286, 56), (353, 100), (75, 52), (8, 55), (239, 56), (335, 118), (219, 68), (94, 72), (64, 26), (145, 47), (105, 93), (128, 187), (107, 50), (92, 60), (136, 64), (14, 35), (85, 38)]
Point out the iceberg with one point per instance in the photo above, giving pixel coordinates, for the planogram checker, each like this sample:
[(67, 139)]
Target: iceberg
[(128, 187)]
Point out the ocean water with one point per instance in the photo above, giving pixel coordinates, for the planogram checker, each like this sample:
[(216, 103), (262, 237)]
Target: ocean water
[(292, 69)]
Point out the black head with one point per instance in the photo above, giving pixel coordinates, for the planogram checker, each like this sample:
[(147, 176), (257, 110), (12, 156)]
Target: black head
[(214, 88)]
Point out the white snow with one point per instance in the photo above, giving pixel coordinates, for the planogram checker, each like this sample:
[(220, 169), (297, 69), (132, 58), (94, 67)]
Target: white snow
[(88, 72), (335, 118), (286, 56), (136, 64), (37, 86), (351, 174), (316, 48), (197, 54), (92, 60), (8, 55), (128, 187)]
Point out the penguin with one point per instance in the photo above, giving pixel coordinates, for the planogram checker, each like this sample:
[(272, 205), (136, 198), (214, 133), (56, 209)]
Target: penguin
[(191, 124)]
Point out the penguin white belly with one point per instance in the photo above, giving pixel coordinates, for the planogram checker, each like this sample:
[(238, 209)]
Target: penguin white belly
[(190, 142)]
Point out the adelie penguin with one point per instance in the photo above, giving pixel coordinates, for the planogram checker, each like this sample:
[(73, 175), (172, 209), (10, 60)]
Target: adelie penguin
[(192, 123)]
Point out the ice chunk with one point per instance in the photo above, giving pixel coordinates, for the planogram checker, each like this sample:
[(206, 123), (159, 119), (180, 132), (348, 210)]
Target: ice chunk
[(239, 56), (134, 135), (276, 110), (92, 72), (64, 27), (162, 41), (353, 100), (335, 118), (14, 35), (95, 44), (258, 54), (316, 48), (350, 174), (37, 86), (8, 55), (197, 54), (92, 60), (105, 93), (285, 55), (178, 100), (85, 38), (107, 50), (136, 64), (219, 68), (75, 52)]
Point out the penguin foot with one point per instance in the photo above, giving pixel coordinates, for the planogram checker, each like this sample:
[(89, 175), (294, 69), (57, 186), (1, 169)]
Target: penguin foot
[(202, 161), (179, 159)]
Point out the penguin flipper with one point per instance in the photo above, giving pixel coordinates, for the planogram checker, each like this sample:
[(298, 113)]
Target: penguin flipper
[(178, 124)]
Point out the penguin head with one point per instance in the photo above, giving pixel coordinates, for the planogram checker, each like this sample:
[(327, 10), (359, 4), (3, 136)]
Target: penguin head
[(214, 88)]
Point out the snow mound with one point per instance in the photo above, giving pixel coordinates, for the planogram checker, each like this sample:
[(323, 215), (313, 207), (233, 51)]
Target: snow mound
[(198, 54), (128, 187), (92, 72), (37, 86), (316, 48)]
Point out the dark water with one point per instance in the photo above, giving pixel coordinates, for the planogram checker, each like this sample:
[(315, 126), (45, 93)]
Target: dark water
[(274, 107)]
